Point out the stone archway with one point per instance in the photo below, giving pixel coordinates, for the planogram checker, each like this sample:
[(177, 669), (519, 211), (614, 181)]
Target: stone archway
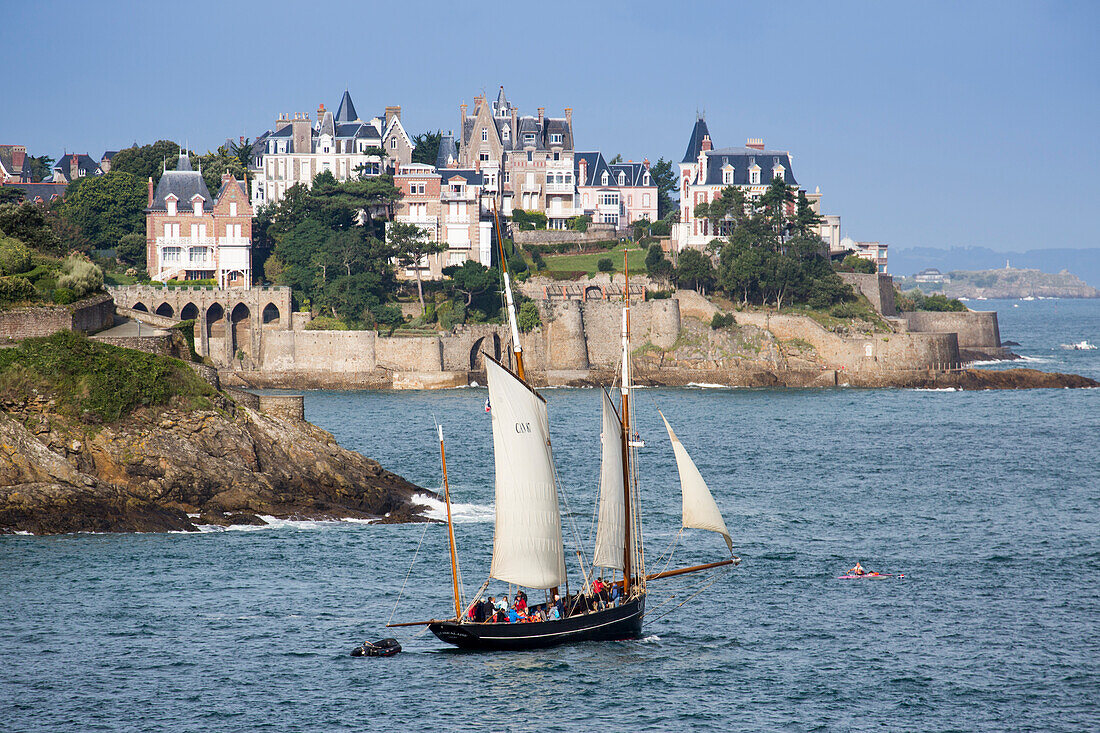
[(189, 312), (165, 309), (241, 323), (139, 306), (270, 316), (477, 359), (215, 329), (496, 346), (593, 292)]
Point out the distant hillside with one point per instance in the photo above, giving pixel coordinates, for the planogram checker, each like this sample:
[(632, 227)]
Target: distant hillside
[(1006, 283), (1084, 263)]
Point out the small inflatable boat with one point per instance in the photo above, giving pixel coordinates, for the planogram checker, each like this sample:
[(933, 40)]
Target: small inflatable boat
[(383, 648), (853, 576)]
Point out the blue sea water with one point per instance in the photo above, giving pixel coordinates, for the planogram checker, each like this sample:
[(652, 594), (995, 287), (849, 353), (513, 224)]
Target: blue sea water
[(987, 501)]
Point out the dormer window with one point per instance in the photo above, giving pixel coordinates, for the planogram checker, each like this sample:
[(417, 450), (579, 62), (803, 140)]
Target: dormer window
[(754, 176), (484, 135), (506, 133), (645, 180), (529, 138), (170, 202), (779, 173), (604, 179), (555, 138), (622, 178), (727, 176), (197, 206)]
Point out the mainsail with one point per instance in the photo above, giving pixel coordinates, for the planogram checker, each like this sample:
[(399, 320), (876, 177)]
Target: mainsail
[(611, 529), (700, 511), (527, 545)]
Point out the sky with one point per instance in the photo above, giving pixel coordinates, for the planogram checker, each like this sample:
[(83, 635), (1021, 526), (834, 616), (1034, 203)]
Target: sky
[(923, 124)]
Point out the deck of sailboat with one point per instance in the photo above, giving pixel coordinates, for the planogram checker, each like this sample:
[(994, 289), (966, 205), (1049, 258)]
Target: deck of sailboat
[(610, 624)]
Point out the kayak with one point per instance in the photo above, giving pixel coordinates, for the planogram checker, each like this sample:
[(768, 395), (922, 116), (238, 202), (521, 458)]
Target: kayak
[(870, 575)]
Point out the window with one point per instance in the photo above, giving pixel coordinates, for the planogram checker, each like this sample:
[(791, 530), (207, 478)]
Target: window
[(233, 208), (197, 255), (645, 199), (484, 156), (778, 173), (507, 176), (529, 138), (645, 180), (197, 208), (604, 179), (610, 219), (622, 178), (326, 148), (530, 156), (484, 135), (171, 254), (555, 138), (557, 155), (506, 131), (393, 143), (417, 189), (727, 176), (609, 199), (171, 206), (754, 177)]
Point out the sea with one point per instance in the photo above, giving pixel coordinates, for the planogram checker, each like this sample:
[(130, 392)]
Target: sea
[(988, 503)]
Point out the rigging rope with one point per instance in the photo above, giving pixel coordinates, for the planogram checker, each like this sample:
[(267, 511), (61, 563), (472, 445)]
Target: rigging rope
[(402, 591), (715, 578)]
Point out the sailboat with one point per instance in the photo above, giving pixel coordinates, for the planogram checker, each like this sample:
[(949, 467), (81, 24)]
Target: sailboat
[(528, 549)]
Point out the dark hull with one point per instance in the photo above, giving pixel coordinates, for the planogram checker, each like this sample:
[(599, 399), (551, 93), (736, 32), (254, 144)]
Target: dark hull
[(611, 624)]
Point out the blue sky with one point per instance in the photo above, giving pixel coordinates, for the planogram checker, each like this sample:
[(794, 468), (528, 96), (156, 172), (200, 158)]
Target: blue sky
[(924, 124)]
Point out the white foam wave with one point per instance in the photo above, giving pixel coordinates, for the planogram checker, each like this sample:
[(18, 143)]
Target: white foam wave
[(1035, 358), (651, 639), (986, 362), (707, 385), (461, 513), (935, 389), (23, 532)]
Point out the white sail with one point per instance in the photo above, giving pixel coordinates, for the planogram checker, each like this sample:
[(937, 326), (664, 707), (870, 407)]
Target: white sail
[(527, 545), (700, 511), (611, 529)]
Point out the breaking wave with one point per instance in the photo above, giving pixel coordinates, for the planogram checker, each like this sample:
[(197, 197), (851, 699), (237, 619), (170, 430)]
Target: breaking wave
[(461, 513)]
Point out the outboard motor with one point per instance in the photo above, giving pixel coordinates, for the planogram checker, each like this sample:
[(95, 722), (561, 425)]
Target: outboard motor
[(382, 648)]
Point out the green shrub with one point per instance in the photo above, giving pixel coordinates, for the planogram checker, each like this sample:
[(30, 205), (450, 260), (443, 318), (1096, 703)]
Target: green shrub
[(16, 289), (539, 262), (80, 276), (105, 381), (846, 310), (528, 220), (15, 257), (528, 317), (854, 263), (516, 264), (940, 302), (64, 296), (326, 323), (579, 223), (722, 320), (605, 264), (187, 328), (658, 294)]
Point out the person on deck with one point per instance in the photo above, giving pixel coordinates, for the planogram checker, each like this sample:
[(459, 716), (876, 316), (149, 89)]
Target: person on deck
[(857, 570), (553, 614), (521, 602), (559, 606), (615, 594)]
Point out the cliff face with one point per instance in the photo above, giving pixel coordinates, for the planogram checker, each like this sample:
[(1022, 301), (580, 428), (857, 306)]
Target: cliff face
[(153, 469)]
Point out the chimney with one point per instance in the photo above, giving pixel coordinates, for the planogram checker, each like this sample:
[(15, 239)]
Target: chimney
[(582, 179), (391, 112), (515, 128), (18, 157), (321, 111), (150, 204), (542, 113), (645, 162), (706, 145), (756, 143), (569, 117)]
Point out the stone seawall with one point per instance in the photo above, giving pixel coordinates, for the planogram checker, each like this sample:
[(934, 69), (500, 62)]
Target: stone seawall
[(878, 289), (976, 329)]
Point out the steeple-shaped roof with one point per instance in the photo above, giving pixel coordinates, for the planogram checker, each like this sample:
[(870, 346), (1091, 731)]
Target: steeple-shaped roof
[(184, 163), (502, 101), (448, 152), (695, 144), (346, 112)]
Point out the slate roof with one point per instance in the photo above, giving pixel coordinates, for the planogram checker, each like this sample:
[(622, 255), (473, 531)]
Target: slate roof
[(184, 183), (448, 152), (595, 165), (108, 155), (225, 184), (83, 161), (695, 142), (6, 160), (634, 172), (473, 178), (328, 127), (346, 112), (742, 160), (502, 101), (40, 192)]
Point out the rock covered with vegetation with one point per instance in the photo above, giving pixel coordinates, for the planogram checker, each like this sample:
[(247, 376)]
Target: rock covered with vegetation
[(99, 438)]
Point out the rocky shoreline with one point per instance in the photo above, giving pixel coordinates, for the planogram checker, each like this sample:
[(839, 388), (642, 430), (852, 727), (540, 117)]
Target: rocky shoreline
[(171, 468)]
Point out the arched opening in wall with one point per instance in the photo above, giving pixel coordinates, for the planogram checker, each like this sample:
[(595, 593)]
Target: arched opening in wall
[(215, 324), (139, 306), (242, 330), (593, 292), (271, 315), (189, 311), (496, 346), (477, 359), (165, 309)]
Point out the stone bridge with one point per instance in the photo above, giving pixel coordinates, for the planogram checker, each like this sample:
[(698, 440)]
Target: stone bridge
[(229, 322)]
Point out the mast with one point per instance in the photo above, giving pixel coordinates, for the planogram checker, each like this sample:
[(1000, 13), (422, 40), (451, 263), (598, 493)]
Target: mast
[(516, 348), (624, 416), (450, 528)]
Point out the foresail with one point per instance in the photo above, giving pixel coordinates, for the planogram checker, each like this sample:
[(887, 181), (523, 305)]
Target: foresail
[(700, 510), (527, 545), (611, 529)]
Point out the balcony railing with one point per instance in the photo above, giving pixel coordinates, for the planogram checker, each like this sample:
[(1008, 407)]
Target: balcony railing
[(464, 195), (186, 241), (560, 188), (234, 242)]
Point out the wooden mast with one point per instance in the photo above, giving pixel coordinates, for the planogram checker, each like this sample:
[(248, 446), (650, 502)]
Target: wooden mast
[(450, 529), (516, 348), (624, 416)]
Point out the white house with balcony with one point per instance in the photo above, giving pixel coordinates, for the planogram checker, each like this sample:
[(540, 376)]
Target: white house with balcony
[(614, 193), (191, 235)]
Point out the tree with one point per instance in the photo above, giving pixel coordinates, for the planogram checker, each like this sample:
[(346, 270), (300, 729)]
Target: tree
[(146, 161), (605, 264), (528, 317), (657, 265), (774, 202), (527, 220), (806, 220), (131, 249), (410, 245), (11, 194), (106, 207), (617, 159), (15, 257), (213, 165), (694, 267), (30, 224), (242, 151), (855, 263), (426, 147), (662, 174), (38, 167), (473, 279)]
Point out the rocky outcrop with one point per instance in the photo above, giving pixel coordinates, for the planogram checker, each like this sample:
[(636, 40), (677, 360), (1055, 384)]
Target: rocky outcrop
[(171, 468)]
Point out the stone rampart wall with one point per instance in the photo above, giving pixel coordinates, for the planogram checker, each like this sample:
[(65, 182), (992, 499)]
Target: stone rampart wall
[(879, 289), (408, 354), (319, 351), (595, 233), (881, 351), (163, 344), (976, 329), (151, 319), (289, 407), (86, 316)]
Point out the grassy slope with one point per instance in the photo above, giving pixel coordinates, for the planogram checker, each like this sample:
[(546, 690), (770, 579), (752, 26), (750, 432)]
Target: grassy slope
[(104, 381), (588, 262)]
